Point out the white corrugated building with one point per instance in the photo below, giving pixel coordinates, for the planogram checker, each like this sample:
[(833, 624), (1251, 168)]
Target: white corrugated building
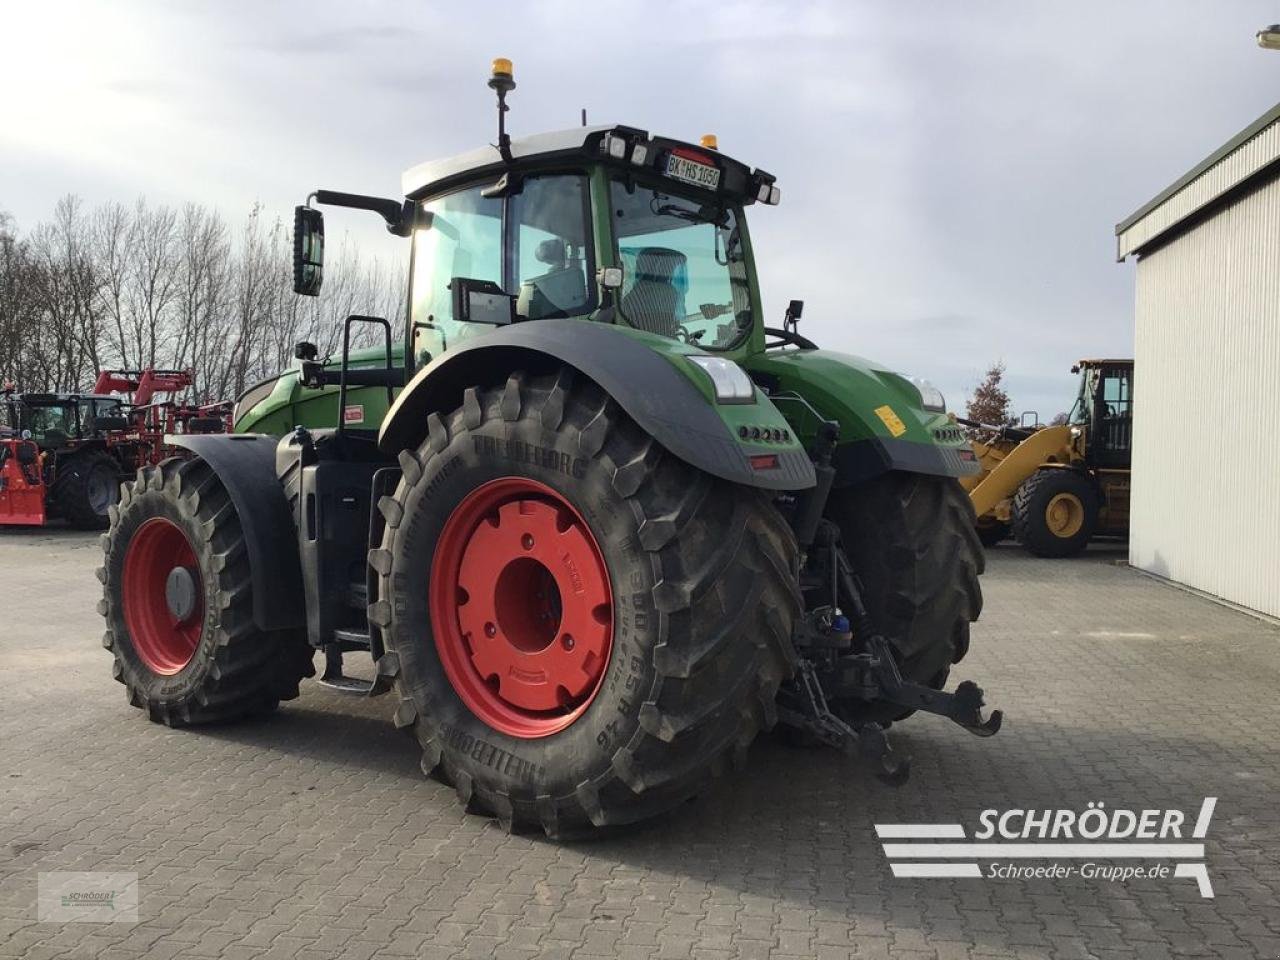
[(1206, 445)]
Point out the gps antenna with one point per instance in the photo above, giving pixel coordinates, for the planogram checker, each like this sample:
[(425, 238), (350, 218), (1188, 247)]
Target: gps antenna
[(503, 82)]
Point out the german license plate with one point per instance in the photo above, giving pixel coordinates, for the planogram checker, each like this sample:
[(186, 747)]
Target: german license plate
[(692, 171)]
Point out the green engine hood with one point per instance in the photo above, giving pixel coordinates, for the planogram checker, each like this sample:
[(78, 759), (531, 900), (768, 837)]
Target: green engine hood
[(883, 422)]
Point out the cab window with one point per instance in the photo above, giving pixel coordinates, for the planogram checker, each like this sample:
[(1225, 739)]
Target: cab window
[(535, 244), (684, 268), (463, 240), (551, 249)]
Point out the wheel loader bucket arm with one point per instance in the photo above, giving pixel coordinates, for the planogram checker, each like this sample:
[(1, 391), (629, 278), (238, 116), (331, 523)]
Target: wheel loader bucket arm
[(1051, 443)]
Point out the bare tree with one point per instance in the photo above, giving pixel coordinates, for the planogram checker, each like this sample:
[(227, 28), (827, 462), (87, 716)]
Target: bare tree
[(154, 278), (204, 273), (69, 337), (150, 285), (19, 311)]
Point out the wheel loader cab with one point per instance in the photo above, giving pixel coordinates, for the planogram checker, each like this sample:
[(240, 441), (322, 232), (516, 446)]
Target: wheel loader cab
[(1104, 408)]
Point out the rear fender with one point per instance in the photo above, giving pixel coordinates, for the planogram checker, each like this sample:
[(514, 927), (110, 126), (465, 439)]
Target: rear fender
[(634, 371), (246, 466)]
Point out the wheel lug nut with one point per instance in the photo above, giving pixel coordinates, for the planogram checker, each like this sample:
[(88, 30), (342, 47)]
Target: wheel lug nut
[(527, 541), (567, 642), (490, 630)]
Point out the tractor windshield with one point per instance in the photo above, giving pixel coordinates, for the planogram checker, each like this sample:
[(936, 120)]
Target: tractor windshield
[(684, 268), (50, 421)]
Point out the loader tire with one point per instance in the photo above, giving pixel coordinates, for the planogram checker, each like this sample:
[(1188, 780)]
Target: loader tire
[(86, 488), (177, 599), (1055, 512), (915, 550), (582, 629)]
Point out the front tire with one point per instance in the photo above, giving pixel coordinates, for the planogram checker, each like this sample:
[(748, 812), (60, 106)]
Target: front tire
[(915, 550), (1055, 512), (683, 585), (178, 605), (86, 488)]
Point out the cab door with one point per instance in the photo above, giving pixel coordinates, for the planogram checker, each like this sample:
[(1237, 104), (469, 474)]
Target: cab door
[(534, 241), (1111, 443)]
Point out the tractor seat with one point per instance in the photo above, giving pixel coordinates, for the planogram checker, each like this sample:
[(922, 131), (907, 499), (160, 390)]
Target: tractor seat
[(653, 302)]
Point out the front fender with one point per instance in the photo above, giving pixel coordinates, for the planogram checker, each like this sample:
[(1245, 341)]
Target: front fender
[(641, 372), (245, 464)]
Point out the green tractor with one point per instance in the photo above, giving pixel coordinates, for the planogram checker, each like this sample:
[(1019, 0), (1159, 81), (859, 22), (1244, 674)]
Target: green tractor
[(595, 523)]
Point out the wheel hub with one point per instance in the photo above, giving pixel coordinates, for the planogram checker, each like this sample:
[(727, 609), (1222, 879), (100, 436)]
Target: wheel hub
[(1064, 515), (521, 607), (163, 596), (180, 593)]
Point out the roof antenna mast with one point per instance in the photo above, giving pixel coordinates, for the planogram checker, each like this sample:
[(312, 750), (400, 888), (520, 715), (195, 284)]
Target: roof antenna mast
[(503, 82)]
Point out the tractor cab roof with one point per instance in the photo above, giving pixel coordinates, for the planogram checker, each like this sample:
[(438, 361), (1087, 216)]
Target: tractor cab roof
[(624, 147), (1080, 364)]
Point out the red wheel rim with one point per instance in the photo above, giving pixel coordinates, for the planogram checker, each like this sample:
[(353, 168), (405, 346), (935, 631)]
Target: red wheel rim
[(165, 630), (521, 607)]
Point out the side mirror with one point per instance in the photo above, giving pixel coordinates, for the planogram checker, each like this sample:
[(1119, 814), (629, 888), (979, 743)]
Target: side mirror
[(308, 251), (795, 309)]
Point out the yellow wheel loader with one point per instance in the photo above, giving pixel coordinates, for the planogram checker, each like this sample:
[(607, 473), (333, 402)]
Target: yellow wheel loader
[(1054, 488)]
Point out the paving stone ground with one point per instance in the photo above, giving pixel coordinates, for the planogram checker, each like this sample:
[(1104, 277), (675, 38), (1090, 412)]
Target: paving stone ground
[(313, 834)]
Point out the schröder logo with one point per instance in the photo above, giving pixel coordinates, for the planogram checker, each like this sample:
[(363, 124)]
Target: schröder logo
[(1131, 844)]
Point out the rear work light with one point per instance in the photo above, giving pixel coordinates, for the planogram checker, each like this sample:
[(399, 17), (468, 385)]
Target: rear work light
[(620, 147), (766, 190)]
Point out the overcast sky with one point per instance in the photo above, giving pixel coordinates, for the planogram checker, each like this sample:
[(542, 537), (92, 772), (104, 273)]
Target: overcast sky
[(951, 172)]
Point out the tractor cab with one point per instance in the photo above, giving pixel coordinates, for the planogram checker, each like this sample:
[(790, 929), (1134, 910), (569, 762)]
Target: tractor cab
[(56, 420), (1104, 409), (604, 223)]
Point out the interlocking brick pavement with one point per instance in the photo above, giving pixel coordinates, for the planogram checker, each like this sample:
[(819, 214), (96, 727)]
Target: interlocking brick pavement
[(313, 834)]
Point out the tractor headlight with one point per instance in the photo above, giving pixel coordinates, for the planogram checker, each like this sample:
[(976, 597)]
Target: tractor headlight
[(731, 383), (931, 397)]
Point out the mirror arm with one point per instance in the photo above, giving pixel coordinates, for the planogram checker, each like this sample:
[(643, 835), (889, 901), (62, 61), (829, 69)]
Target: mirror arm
[(397, 213)]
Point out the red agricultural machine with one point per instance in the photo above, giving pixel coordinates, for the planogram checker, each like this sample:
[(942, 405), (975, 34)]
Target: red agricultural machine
[(65, 454)]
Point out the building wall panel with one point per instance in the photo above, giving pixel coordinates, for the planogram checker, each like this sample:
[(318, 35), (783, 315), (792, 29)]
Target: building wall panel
[(1206, 461)]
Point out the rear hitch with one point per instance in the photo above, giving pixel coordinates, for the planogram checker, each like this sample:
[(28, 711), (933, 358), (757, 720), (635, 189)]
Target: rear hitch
[(873, 673), (876, 677), (866, 741), (848, 658)]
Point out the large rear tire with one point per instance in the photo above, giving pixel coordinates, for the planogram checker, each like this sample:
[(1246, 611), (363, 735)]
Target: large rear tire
[(86, 488), (177, 599), (914, 548), (1055, 512), (682, 586)]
